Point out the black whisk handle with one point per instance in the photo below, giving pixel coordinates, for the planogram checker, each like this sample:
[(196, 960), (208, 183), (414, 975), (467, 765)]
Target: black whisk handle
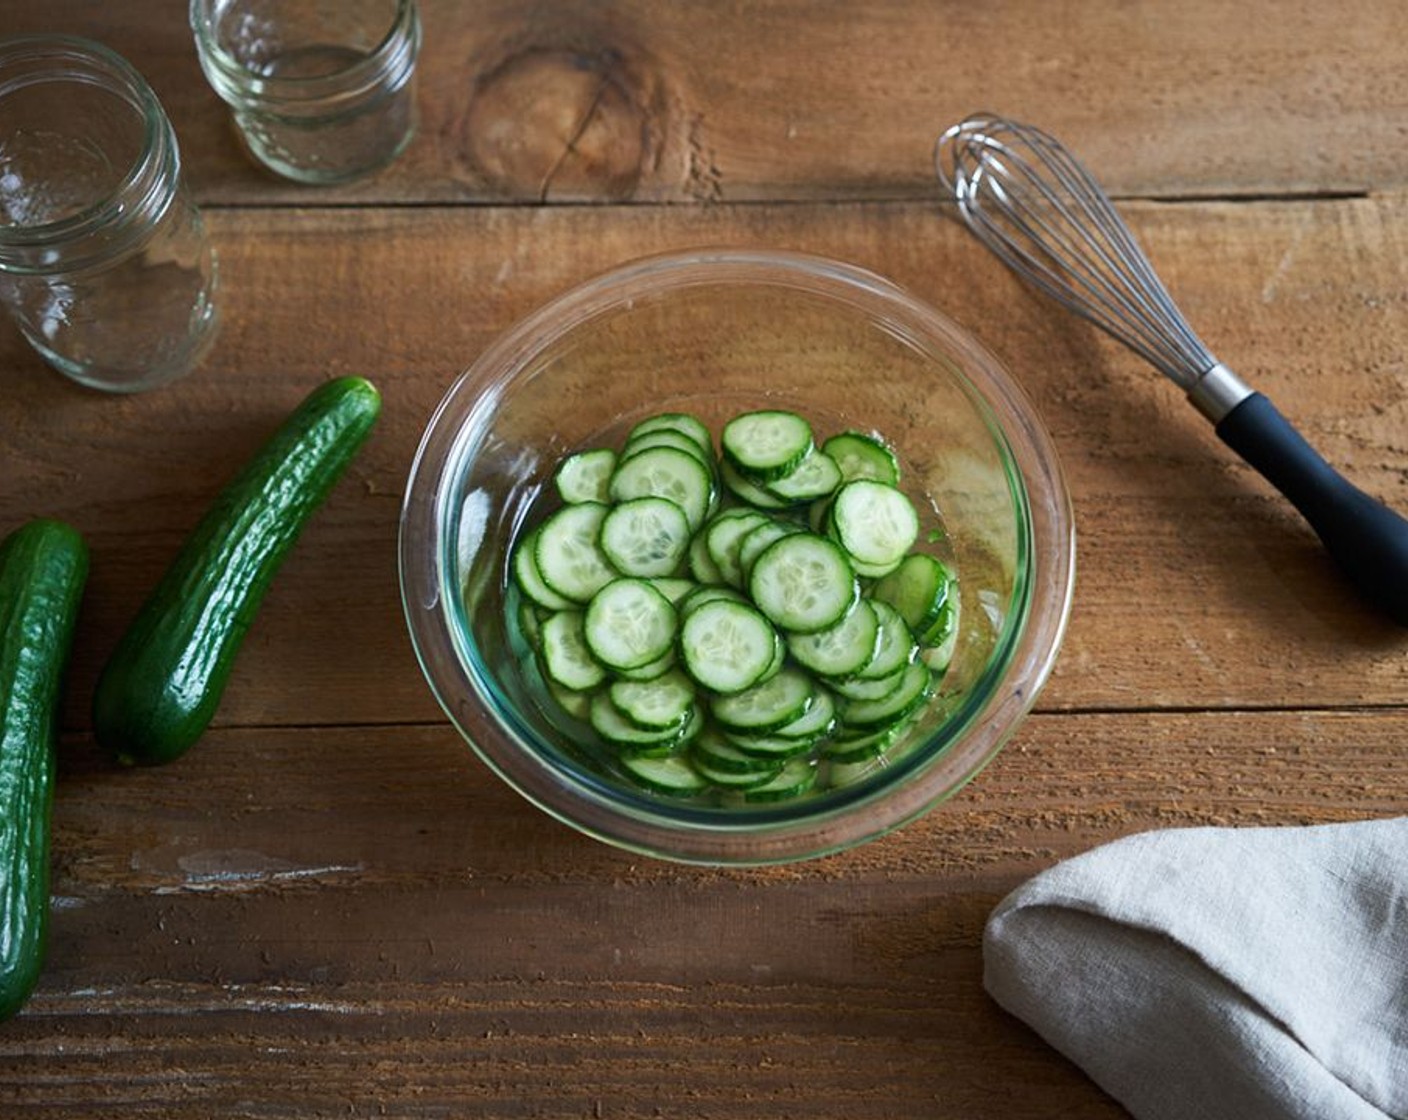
[(1367, 539)]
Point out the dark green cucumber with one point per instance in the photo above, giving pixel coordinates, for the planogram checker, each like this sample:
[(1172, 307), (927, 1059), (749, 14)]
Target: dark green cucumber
[(43, 566), (163, 682)]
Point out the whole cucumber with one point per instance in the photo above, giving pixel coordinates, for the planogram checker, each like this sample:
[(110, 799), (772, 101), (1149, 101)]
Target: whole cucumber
[(163, 682), (43, 566)]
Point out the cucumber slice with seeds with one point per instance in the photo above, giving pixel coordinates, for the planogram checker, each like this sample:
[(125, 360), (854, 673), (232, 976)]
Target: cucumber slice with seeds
[(767, 706), (767, 444), (875, 523), (567, 554), (666, 472), (919, 589), (723, 538), (803, 583), (629, 624), (530, 580), (584, 477), (842, 649), (659, 703), (863, 456), (682, 422), (645, 536), (798, 776), (895, 647), (913, 691), (672, 775), (816, 476), (566, 658), (726, 646)]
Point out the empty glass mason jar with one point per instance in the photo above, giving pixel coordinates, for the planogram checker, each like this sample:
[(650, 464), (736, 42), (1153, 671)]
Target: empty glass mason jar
[(322, 91), (104, 262)]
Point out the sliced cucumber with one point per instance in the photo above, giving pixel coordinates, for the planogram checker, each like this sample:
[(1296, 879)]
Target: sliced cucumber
[(863, 456), (726, 646), (718, 754), (913, 690), (896, 646), (566, 658), (875, 523), (567, 555), (767, 444), (858, 748), (629, 624), (683, 422), (816, 476), (585, 476), (753, 545), (803, 583), (843, 649), (748, 490), (530, 580), (666, 472), (645, 536), (767, 706), (664, 437), (659, 703), (919, 589), (795, 779), (723, 538), (671, 775)]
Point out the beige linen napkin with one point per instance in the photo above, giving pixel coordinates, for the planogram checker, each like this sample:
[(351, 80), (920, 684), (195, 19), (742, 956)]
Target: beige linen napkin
[(1221, 974)]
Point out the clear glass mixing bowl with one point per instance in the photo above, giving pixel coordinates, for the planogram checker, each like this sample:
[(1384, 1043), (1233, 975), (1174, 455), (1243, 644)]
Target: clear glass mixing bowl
[(717, 332)]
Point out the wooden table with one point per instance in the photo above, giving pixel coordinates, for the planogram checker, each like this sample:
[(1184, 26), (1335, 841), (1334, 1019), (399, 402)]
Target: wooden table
[(331, 908)]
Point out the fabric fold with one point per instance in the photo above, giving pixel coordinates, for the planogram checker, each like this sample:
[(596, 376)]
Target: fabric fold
[(1217, 973)]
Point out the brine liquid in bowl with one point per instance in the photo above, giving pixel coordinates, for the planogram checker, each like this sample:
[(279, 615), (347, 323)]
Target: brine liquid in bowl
[(714, 335)]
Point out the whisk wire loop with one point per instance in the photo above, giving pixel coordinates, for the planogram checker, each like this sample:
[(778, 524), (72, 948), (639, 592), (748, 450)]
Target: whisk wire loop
[(1038, 209)]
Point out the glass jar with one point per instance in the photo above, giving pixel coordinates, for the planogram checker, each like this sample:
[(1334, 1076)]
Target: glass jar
[(104, 262), (322, 91)]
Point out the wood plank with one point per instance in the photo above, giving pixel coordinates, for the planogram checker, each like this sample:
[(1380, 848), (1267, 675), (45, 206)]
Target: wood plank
[(376, 922), (1197, 586), (809, 99)]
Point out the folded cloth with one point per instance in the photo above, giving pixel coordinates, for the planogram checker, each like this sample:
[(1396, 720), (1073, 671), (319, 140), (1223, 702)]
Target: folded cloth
[(1221, 973)]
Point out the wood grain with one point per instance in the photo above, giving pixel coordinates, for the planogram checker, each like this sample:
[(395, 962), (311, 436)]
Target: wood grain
[(330, 908), (816, 99), (1179, 543)]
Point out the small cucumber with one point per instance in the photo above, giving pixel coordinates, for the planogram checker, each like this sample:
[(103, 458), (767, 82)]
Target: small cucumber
[(163, 682), (43, 566)]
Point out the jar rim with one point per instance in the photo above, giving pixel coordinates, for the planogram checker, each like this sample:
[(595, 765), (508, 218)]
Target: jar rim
[(145, 190), (385, 68)]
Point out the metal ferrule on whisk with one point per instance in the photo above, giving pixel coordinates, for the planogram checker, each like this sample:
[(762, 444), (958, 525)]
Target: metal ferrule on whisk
[(1217, 392)]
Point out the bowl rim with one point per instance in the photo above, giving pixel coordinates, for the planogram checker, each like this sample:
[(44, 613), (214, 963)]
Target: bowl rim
[(672, 831)]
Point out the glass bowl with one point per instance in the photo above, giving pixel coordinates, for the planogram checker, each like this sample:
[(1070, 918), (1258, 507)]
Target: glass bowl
[(717, 332)]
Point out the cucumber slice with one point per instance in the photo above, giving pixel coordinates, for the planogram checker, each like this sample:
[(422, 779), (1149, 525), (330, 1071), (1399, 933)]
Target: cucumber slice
[(660, 703), (585, 476), (943, 634), (671, 775), (919, 589), (665, 438), (723, 538), (767, 706), (567, 554), (876, 688), (863, 456), (839, 774), (673, 588), (814, 477), (749, 491), (795, 779), (843, 649), (896, 646), (875, 523), (683, 422), (859, 748), (629, 624), (713, 750), (726, 646), (708, 594), (768, 746), (651, 670), (666, 472), (566, 658), (616, 728), (757, 540), (701, 564), (767, 444), (817, 722), (914, 690), (530, 580), (645, 536), (734, 779), (803, 583)]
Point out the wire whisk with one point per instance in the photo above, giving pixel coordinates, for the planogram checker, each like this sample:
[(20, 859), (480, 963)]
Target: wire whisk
[(1030, 201)]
